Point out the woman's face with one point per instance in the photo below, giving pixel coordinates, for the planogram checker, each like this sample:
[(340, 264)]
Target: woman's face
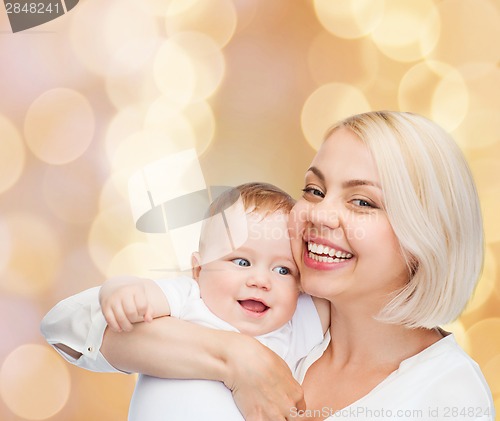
[(342, 240)]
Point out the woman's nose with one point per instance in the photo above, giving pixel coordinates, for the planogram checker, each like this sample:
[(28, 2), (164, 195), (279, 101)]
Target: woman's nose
[(324, 215)]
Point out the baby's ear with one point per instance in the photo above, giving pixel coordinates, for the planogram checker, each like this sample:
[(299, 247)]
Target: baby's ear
[(196, 265)]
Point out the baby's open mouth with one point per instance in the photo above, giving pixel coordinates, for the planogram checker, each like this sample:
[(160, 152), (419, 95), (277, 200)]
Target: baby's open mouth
[(253, 306)]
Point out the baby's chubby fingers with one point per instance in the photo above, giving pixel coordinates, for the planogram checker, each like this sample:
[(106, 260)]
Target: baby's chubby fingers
[(109, 316), (125, 313), (144, 308)]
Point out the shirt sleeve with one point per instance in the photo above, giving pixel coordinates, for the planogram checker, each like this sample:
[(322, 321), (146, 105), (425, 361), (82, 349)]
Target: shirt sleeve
[(179, 293), (78, 323)]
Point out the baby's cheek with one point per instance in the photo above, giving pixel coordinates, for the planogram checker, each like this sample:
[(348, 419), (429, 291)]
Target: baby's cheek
[(296, 221)]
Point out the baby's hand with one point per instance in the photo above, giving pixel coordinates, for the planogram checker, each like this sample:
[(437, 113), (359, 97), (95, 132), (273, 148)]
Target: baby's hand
[(127, 300)]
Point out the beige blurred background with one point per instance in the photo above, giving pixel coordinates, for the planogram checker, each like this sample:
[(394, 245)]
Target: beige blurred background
[(91, 97)]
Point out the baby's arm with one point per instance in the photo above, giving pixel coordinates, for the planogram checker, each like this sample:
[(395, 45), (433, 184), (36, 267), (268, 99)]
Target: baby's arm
[(75, 327), (128, 300), (324, 312)]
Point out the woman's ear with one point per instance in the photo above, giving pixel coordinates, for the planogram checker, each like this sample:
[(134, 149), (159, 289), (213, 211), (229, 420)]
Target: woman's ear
[(196, 265)]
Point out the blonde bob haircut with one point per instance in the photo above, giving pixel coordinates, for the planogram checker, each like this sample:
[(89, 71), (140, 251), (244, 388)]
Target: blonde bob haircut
[(433, 207)]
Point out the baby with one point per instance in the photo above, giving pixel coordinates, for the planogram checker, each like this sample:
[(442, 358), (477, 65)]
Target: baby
[(244, 279)]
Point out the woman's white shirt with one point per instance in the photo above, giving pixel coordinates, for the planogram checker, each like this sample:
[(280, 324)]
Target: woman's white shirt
[(439, 383)]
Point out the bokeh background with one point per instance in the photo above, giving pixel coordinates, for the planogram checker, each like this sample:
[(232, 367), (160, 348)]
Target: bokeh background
[(89, 98)]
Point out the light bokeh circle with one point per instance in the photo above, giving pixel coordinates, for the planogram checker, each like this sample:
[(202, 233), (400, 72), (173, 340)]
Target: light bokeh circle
[(437, 91), (143, 147), (114, 190), (480, 127), (216, 19), (202, 121), (164, 118), (99, 30), (174, 73), (34, 382), (12, 154), (35, 254), (408, 30), (177, 7), (189, 67), (130, 77), (59, 126), (327, 105), (468, 28), (124, 123), (349, 18), (484, 171), (192, 126), (144, 259), (490, 203), (111, 231), (483, 340)]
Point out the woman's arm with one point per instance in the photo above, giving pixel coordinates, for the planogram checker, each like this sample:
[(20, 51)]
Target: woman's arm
[(261, 382)]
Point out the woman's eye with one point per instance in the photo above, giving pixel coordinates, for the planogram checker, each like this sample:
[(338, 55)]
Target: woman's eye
[(282, 270), (362, 203), (313, 191), (241, 262)]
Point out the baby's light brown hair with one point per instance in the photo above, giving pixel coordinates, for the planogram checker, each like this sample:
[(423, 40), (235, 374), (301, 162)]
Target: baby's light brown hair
[(262, 198), (257, 197)]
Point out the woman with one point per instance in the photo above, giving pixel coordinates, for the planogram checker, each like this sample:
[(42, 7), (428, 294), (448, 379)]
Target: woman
[(393, 191), (389, 231)]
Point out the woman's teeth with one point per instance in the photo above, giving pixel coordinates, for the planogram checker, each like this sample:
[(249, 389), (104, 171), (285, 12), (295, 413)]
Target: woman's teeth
[(322, 253)]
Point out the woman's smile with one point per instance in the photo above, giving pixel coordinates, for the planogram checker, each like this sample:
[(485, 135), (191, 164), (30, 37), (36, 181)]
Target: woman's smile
[(323, 255)]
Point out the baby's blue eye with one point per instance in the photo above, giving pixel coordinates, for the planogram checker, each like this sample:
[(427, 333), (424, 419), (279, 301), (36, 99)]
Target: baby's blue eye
[(282, 270), (241, 262)]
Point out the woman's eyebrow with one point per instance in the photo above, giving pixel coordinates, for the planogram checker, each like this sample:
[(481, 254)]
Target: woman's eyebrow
[(345, 184), (316, 172), (354, 183)]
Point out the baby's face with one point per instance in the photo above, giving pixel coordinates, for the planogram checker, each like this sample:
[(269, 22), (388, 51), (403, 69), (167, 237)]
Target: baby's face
[(255, 287)]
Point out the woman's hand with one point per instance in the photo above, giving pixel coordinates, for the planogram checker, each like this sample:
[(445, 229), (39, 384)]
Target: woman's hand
[(261, 382)]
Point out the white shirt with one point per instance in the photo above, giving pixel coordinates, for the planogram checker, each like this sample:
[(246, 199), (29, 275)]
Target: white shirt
[(440, 383), (78, 323)]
